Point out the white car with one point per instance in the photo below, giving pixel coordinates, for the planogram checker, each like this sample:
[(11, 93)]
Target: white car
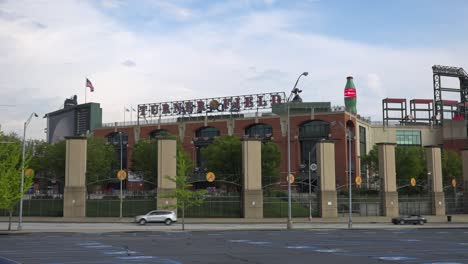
[(163, 216)]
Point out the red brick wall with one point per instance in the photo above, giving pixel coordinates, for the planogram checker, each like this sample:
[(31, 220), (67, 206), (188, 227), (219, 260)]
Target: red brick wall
[(336, 130)]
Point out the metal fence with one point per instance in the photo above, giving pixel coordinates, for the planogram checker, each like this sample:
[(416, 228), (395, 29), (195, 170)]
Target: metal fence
[(454, 203), (421, 205), (216, 206), (109, 206), (361, 206), (277, 207), (39, 207)]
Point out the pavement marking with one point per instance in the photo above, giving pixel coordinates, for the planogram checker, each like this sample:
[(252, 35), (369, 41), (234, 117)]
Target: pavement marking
[(299, 247), (99, 246), (442, 232), (443, 263), (239, 241), (327, 250), (259, 243), (119, 252), (396, 258), (89, 243), (410, 240)]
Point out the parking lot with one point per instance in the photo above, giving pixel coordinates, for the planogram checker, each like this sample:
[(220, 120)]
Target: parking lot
[(406, 245)]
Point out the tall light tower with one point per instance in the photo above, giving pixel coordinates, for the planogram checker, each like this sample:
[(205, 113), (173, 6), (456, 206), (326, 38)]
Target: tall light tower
[(22, 169), (295, 91)]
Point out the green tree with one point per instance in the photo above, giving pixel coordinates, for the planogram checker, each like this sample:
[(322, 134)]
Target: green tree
[(451, 165), (371, 160), (224, 156), (101, 161), (49, 161), (10, 177), (145, 160), (410, 162), (185, 196), (271, 163)]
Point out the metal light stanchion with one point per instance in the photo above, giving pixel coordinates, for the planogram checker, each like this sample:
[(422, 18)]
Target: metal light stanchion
[(296, 98), (22, 171), (121, 161), (310, 192), (350, 218)]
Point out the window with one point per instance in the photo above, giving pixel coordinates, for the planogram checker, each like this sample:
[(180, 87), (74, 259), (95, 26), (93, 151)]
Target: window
[(159, 133), (309, 134), (408, 137), (362, 149), (261, 131)]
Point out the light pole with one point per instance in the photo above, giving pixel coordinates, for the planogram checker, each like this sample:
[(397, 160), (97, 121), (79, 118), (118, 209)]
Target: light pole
[(121, 162), (296, 98), (350, 217), (310, 191), (22, 170)]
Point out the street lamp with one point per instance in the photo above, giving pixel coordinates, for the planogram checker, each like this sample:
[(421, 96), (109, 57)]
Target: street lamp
[(121, 162), (22, 169), (296, 98), (350, 217)]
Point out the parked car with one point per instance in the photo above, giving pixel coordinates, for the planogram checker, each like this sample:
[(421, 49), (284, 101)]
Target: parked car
[(410, 219), (163, 216)]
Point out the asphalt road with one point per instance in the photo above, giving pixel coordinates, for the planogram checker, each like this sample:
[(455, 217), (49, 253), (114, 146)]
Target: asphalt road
[(297, 246)]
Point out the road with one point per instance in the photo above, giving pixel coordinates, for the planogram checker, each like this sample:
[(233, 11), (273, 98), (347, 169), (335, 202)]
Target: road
[(403, 245), (127, 227)]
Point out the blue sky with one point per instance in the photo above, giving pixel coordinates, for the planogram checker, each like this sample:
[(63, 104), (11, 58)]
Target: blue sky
[(160, 50)]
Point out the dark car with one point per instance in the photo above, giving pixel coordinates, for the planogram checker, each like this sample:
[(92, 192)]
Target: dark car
[(410, 219)]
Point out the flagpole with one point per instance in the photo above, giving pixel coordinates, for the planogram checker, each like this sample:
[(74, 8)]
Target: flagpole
[(131, 110), (85, 92), (124, 115)]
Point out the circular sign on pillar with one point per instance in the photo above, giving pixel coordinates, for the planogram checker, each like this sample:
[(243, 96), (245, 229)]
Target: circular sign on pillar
[(29, 173), (291, 176), (121, 175), (413, 182), (358, 180), (454, 183), (210, 176)]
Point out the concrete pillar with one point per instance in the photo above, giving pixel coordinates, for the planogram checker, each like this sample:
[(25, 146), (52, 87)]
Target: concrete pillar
[(434, 177), (387, 173), (327, 178), (167, 167), (74, 195), (252, 178), (464, 156)]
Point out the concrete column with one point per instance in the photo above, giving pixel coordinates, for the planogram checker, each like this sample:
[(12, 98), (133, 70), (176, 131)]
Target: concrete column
[(167, 167), (327, 178), (252, 178), (434, 177), (464, 156), (74, 195), (387, 173)]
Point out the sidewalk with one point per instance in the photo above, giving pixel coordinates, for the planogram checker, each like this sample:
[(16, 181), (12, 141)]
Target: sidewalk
[(335, 220)]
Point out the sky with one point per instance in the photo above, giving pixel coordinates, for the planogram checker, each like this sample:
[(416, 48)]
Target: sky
[(159, 50)]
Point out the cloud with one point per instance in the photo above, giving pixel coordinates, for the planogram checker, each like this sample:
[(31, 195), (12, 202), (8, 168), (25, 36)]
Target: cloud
[(129, 63), (254, 52)]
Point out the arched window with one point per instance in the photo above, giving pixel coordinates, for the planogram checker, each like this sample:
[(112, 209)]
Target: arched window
[(261, 131), (310, 133), (207, 132), (204, 137), (120, 142), (159, 133)]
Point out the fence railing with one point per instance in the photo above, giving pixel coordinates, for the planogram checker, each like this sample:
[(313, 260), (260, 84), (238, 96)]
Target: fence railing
[(39, 207), (109, 206), (216, 206), (361, 206), (420, 205), (277, 207), (454, 203)]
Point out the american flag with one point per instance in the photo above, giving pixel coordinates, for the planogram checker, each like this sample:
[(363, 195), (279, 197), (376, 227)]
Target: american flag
[(90, 85)]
